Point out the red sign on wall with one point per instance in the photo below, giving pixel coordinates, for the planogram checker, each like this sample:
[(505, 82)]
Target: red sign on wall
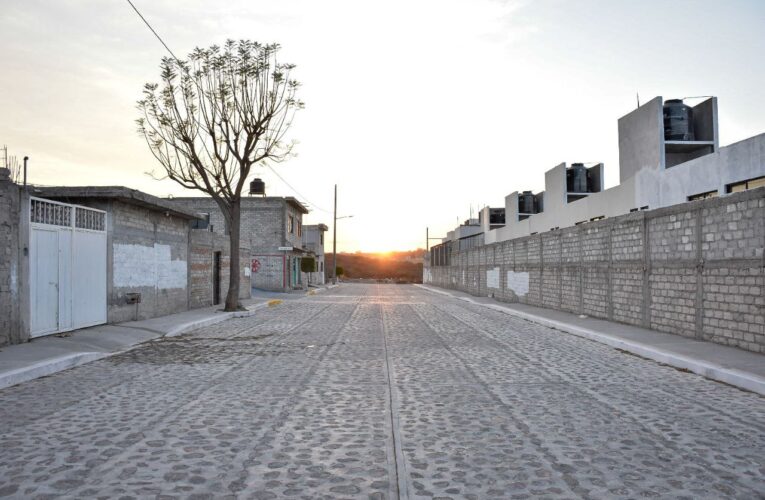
[(255, 265)]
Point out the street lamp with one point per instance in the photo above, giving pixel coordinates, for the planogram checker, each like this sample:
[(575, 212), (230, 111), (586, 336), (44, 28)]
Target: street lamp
[(334, 238)]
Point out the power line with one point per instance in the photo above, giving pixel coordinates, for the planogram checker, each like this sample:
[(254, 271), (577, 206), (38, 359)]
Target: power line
[(178, 61), (296, 191), (152, 30)]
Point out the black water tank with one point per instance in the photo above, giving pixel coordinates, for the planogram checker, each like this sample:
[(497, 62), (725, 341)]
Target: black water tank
[(576, 178), (526, 203), (257, 186), (678, 121)]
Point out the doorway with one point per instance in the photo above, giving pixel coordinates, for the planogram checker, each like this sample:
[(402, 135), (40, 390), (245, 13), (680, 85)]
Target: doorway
[(216, 278)]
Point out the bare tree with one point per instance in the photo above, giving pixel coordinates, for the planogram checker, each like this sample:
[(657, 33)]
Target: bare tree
[(214, 117)]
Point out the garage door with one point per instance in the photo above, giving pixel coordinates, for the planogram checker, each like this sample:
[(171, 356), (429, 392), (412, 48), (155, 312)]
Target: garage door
[(67, 261)]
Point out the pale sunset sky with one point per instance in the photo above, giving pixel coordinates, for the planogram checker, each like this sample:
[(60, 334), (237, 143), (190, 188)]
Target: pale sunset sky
[(417, 109)]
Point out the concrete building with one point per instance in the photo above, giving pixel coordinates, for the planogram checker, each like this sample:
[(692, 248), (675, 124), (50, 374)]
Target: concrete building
[(677, 246), (271, 227), (82, 256), (313, 242), (656, 169)]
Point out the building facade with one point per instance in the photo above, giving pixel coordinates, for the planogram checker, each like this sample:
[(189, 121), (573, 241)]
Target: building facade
[(656, 169), (313, 242), (271, 227), (677, 246), (83, 256)]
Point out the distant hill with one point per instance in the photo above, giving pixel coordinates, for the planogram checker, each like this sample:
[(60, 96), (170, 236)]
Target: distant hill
[(397, 266)]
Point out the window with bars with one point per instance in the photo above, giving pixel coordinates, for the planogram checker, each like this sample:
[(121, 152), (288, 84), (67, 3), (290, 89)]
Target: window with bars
[(59, 214), (89, 219), (45, 212)]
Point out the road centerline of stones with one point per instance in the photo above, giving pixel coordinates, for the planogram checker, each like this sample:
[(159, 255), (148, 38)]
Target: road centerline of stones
[(398, 456)]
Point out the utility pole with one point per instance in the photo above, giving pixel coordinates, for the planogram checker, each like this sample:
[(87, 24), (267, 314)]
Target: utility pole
[(427, 240), (334, 241)]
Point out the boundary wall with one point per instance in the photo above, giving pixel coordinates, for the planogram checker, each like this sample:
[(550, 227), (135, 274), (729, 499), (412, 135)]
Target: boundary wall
[(695, 269)]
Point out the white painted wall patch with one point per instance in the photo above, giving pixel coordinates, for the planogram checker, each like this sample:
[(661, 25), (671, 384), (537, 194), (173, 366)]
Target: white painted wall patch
[(492, 278), (518, 282), (139, 265)]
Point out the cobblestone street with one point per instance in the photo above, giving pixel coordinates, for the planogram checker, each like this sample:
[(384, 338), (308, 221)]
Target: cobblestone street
[(379, 391)]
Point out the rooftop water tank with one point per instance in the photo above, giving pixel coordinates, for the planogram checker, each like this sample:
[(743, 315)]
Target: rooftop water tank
[(678, 121), (576, 178), (257, 187), (526, 203), (497, 216)]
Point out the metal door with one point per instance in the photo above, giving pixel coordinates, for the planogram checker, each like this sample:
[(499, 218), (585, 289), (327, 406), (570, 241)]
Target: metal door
[(43, 269), (67, 267), (216, 278)]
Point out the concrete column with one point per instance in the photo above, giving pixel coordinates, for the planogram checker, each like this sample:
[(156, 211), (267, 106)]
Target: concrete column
[(580, 240), (609, 277), (699, 300), (646, 243)]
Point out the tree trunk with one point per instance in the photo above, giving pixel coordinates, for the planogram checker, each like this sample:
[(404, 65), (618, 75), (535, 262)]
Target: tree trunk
[(232, 297)]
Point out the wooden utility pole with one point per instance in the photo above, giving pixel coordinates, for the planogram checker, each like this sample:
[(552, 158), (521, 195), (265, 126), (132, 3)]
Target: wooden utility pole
[(334, 241)]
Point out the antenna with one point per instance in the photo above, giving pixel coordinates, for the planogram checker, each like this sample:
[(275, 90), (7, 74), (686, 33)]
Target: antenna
[(637, 95)]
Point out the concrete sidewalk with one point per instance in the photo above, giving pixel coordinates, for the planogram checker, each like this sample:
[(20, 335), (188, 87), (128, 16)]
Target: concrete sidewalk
[(737, 367), (47, 355)]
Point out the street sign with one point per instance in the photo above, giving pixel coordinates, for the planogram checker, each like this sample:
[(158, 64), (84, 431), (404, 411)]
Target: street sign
[(286, 249)]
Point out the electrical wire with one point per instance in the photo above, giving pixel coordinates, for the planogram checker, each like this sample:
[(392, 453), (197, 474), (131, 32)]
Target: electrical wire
[(296, 191), (178, 60), (152, 30)]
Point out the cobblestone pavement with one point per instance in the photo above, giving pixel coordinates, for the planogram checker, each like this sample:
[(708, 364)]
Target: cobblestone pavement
[(379, 391)]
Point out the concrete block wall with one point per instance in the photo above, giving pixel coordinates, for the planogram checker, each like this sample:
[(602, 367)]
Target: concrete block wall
[(263, 220), (147, 254), (695, 269), (203, 244), (10, 264)]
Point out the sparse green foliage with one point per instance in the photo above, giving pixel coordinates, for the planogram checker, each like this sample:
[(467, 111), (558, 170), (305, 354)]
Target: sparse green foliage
[(308, 265), (216, 115)]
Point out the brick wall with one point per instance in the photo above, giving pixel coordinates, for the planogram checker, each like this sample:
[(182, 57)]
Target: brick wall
[(695, 269), (202, 248)]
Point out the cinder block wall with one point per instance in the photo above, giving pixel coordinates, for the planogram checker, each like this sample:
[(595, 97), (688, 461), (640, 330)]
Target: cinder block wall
[(10, 321), (202, 246), (148, 254), (263, 220), (695, 269)]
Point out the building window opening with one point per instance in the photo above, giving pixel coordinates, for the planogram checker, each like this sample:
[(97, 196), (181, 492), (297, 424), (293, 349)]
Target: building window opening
[(754, 183), (703, 196), (290, 224)]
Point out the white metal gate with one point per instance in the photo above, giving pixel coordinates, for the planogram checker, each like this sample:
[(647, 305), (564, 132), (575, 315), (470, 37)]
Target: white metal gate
[(67, 265)]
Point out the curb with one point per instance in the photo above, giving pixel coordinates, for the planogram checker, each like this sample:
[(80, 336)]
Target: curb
[(61, 363), (731, 376), (219, 318), (49, 367)]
